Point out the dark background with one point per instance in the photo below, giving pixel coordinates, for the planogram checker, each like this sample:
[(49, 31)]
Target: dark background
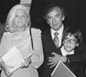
[(75, 9), (5, 6)]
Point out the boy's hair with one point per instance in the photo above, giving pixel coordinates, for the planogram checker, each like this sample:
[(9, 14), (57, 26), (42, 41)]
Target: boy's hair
[(75, 32), (51, 7)]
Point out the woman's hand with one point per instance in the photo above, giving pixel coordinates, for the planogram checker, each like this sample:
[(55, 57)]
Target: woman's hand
[(7, 70), (26, 63), (5, 67)]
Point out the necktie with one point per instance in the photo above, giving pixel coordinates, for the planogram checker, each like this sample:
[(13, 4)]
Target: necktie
[(56, 40)]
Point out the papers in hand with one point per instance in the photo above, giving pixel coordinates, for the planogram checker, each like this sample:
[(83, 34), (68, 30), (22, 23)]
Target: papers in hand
[(61, 70), (13, 58)]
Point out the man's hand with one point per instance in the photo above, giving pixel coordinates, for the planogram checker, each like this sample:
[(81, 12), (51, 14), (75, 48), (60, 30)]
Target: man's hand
[(53, 61)]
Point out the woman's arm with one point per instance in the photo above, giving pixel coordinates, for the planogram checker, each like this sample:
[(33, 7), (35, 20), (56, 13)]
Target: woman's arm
[(37, 57), (5, 67)]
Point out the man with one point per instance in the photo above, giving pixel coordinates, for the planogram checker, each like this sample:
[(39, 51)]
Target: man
[(55, 16)]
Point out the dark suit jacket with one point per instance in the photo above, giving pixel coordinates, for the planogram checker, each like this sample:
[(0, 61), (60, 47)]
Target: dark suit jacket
[(78, 61), (49, 47), (77, 67)]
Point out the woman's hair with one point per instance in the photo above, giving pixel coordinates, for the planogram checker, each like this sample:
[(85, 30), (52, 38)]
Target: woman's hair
[(75, 32), (11, 15)]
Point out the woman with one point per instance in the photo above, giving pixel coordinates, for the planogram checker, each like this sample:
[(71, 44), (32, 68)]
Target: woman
[(26, 39)]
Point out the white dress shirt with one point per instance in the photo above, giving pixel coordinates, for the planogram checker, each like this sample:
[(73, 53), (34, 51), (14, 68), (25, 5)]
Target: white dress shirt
[(60, 33)]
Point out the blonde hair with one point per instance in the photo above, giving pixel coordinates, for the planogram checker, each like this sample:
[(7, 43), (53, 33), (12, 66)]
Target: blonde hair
[(11, 15)]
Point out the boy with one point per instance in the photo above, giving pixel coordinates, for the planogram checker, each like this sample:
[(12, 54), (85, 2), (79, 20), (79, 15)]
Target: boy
[(72, 38)]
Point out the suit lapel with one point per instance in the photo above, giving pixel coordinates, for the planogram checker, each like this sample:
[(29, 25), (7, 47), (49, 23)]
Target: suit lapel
[(51, 43)]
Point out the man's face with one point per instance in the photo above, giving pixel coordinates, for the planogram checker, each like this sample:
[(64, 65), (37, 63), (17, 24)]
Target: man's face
[(55, 18), (69, 43)]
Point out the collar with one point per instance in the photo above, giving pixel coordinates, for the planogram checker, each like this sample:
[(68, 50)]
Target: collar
[(64, 52), (60, 31)]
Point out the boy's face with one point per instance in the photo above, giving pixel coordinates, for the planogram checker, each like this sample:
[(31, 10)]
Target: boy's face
[(69, 43)]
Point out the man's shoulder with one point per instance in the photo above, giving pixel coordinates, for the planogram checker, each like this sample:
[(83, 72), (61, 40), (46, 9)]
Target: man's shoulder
[(46, 32), (65, 27)]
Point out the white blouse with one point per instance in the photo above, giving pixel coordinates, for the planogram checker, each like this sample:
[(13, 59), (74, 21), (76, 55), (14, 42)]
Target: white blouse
[(23, 42)]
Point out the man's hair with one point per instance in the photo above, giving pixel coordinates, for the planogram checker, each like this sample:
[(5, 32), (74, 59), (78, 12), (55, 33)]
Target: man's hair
[(75, 32), (51, 7)]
